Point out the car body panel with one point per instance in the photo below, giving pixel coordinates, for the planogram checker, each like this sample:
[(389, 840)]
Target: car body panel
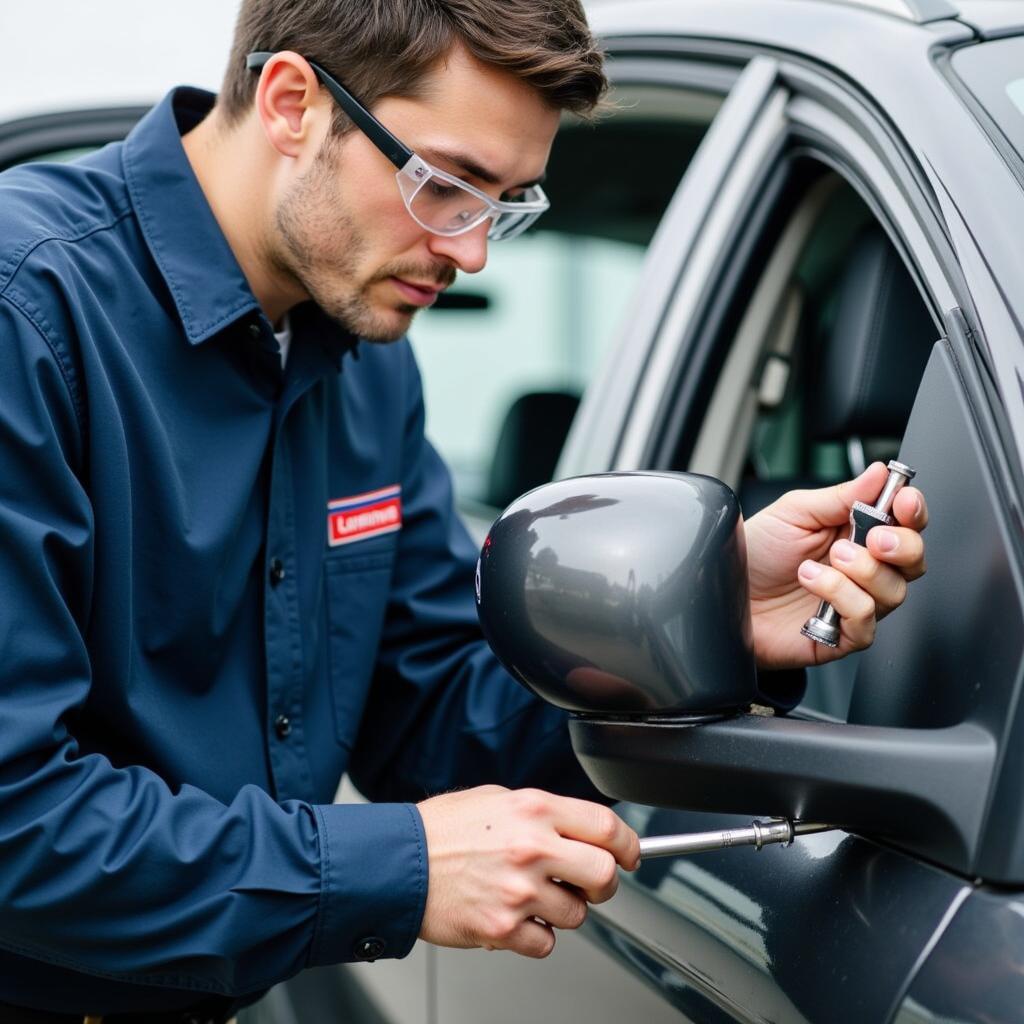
[(992, 18), (828, 930), (975, 973)]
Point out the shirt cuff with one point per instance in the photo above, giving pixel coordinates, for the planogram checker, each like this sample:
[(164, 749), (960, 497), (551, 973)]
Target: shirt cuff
[(373, 881)]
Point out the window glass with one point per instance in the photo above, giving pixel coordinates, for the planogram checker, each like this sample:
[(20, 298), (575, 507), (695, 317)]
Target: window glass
[(994, 72), (553, 301), (541, 316)]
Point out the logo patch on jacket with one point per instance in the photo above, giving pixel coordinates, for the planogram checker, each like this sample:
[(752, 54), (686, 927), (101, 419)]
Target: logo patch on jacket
[(364, 515)]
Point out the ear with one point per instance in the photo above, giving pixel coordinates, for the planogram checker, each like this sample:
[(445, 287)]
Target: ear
[(288, 102)]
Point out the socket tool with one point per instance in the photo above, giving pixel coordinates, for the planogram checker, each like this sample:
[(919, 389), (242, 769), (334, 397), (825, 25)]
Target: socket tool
[(823, 628), (760, 833)]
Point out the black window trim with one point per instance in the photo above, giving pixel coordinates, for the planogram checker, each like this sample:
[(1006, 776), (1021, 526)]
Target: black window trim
[(28, 138)]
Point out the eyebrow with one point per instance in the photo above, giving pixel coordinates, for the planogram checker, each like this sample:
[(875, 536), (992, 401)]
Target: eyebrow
[(473, 169)]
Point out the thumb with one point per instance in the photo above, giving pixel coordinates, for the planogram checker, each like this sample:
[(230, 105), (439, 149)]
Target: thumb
[(830, 506)]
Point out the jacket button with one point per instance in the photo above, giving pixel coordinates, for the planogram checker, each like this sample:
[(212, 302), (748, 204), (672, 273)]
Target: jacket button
[(254, 332), (276, 572), (283, 727), (370, 949)]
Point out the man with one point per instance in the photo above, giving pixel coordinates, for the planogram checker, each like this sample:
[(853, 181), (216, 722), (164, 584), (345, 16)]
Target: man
[(231, 568)]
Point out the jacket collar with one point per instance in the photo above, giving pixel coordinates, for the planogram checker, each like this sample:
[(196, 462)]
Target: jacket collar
[(207, 284)]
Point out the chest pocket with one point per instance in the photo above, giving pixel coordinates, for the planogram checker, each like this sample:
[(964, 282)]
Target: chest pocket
[(357, 588)]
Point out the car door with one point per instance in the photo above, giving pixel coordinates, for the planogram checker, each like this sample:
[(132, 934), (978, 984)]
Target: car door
[(834, 928)]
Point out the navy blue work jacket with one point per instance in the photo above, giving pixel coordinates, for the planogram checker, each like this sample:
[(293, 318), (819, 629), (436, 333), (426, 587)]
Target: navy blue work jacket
[(221, 586)]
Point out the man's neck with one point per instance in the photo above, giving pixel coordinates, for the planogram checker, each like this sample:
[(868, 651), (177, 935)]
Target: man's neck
[(230, 168)]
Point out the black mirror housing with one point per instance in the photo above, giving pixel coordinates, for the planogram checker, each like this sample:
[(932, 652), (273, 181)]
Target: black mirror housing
[(624, 594)]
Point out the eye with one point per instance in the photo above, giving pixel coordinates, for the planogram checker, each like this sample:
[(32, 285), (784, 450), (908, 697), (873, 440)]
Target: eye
[(442, 191)]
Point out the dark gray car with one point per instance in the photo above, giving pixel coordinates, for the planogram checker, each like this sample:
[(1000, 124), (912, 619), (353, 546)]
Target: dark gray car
[(834, 275)]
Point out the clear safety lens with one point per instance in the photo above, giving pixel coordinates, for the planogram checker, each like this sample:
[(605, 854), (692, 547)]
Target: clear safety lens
[(444, 205)]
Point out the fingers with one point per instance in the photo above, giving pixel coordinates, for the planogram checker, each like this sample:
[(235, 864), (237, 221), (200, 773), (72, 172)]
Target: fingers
[(830, 506), (597, 825), (855, 606), (561, 906), (591, 870), (886, 585), (910, 508), (529, 938), (900, 547), (587, 822)]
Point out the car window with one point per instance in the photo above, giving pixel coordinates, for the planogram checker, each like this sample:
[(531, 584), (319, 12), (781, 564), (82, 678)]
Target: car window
[(994, 72), (803, 393), (508, 352)]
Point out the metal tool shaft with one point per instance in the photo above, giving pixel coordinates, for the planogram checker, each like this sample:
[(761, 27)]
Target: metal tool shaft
[(760, 833), (823, 628)]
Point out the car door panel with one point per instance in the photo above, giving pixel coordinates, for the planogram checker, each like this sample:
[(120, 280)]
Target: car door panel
[(975, 972), (828, 930)]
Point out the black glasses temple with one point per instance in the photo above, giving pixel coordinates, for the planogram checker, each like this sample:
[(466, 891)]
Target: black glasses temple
[(394, 150)]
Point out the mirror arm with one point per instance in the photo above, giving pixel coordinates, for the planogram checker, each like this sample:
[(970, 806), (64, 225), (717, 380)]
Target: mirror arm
[(923, 789)]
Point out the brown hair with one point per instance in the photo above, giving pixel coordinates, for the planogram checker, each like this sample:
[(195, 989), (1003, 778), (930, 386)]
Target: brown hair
[(380, 48)]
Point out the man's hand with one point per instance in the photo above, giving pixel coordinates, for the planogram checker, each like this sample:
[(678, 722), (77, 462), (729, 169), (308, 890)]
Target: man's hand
[(507, 867), (787, 544)]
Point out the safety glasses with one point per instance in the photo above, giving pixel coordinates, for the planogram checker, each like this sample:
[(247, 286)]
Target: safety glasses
[(437, 201)]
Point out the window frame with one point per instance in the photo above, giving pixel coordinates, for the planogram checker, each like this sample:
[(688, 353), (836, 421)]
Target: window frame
[(595, 435)]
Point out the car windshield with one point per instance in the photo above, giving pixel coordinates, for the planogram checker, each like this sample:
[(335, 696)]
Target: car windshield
[(994, 72)]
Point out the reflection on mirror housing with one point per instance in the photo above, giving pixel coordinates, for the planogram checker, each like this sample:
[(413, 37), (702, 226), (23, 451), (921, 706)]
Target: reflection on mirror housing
[(623, 594)]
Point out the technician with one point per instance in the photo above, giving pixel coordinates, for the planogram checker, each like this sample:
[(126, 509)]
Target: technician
[(230, 569)]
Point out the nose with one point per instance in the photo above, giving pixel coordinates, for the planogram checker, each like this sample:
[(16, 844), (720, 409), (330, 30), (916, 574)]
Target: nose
[(468, 252)]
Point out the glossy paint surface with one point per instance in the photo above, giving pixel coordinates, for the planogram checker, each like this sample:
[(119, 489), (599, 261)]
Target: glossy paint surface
[(625, 592), (975, 974), (826, 931)]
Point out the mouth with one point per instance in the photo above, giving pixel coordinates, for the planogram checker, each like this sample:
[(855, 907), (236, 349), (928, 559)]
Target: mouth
[(417, 294)]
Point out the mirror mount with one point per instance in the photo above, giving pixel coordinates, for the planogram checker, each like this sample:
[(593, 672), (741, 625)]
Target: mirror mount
[(918, 787)]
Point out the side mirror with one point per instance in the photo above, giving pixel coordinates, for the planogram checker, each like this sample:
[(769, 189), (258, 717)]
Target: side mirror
[(624, 593), (624, 599)]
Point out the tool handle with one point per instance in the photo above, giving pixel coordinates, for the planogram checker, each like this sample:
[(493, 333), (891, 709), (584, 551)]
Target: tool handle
[(758, 834), (824, 627)]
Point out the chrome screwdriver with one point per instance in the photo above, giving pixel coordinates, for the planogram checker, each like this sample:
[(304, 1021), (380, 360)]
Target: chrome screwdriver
[(758, 834), (823, 628)]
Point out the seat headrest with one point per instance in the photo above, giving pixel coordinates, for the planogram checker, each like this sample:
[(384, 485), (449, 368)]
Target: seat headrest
[(871, 360), (529, 444)]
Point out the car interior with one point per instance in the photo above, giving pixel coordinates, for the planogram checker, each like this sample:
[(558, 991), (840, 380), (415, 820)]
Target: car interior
[(820, 374)]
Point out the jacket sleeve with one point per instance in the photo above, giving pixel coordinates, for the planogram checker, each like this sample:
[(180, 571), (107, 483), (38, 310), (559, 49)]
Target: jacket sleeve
[(107, 870), (443, 713)]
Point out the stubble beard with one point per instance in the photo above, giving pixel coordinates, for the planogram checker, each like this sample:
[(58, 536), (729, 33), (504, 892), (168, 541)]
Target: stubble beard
[(322, 250)]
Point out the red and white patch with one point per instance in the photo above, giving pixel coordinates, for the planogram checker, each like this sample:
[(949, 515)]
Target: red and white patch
[(364, 515)]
